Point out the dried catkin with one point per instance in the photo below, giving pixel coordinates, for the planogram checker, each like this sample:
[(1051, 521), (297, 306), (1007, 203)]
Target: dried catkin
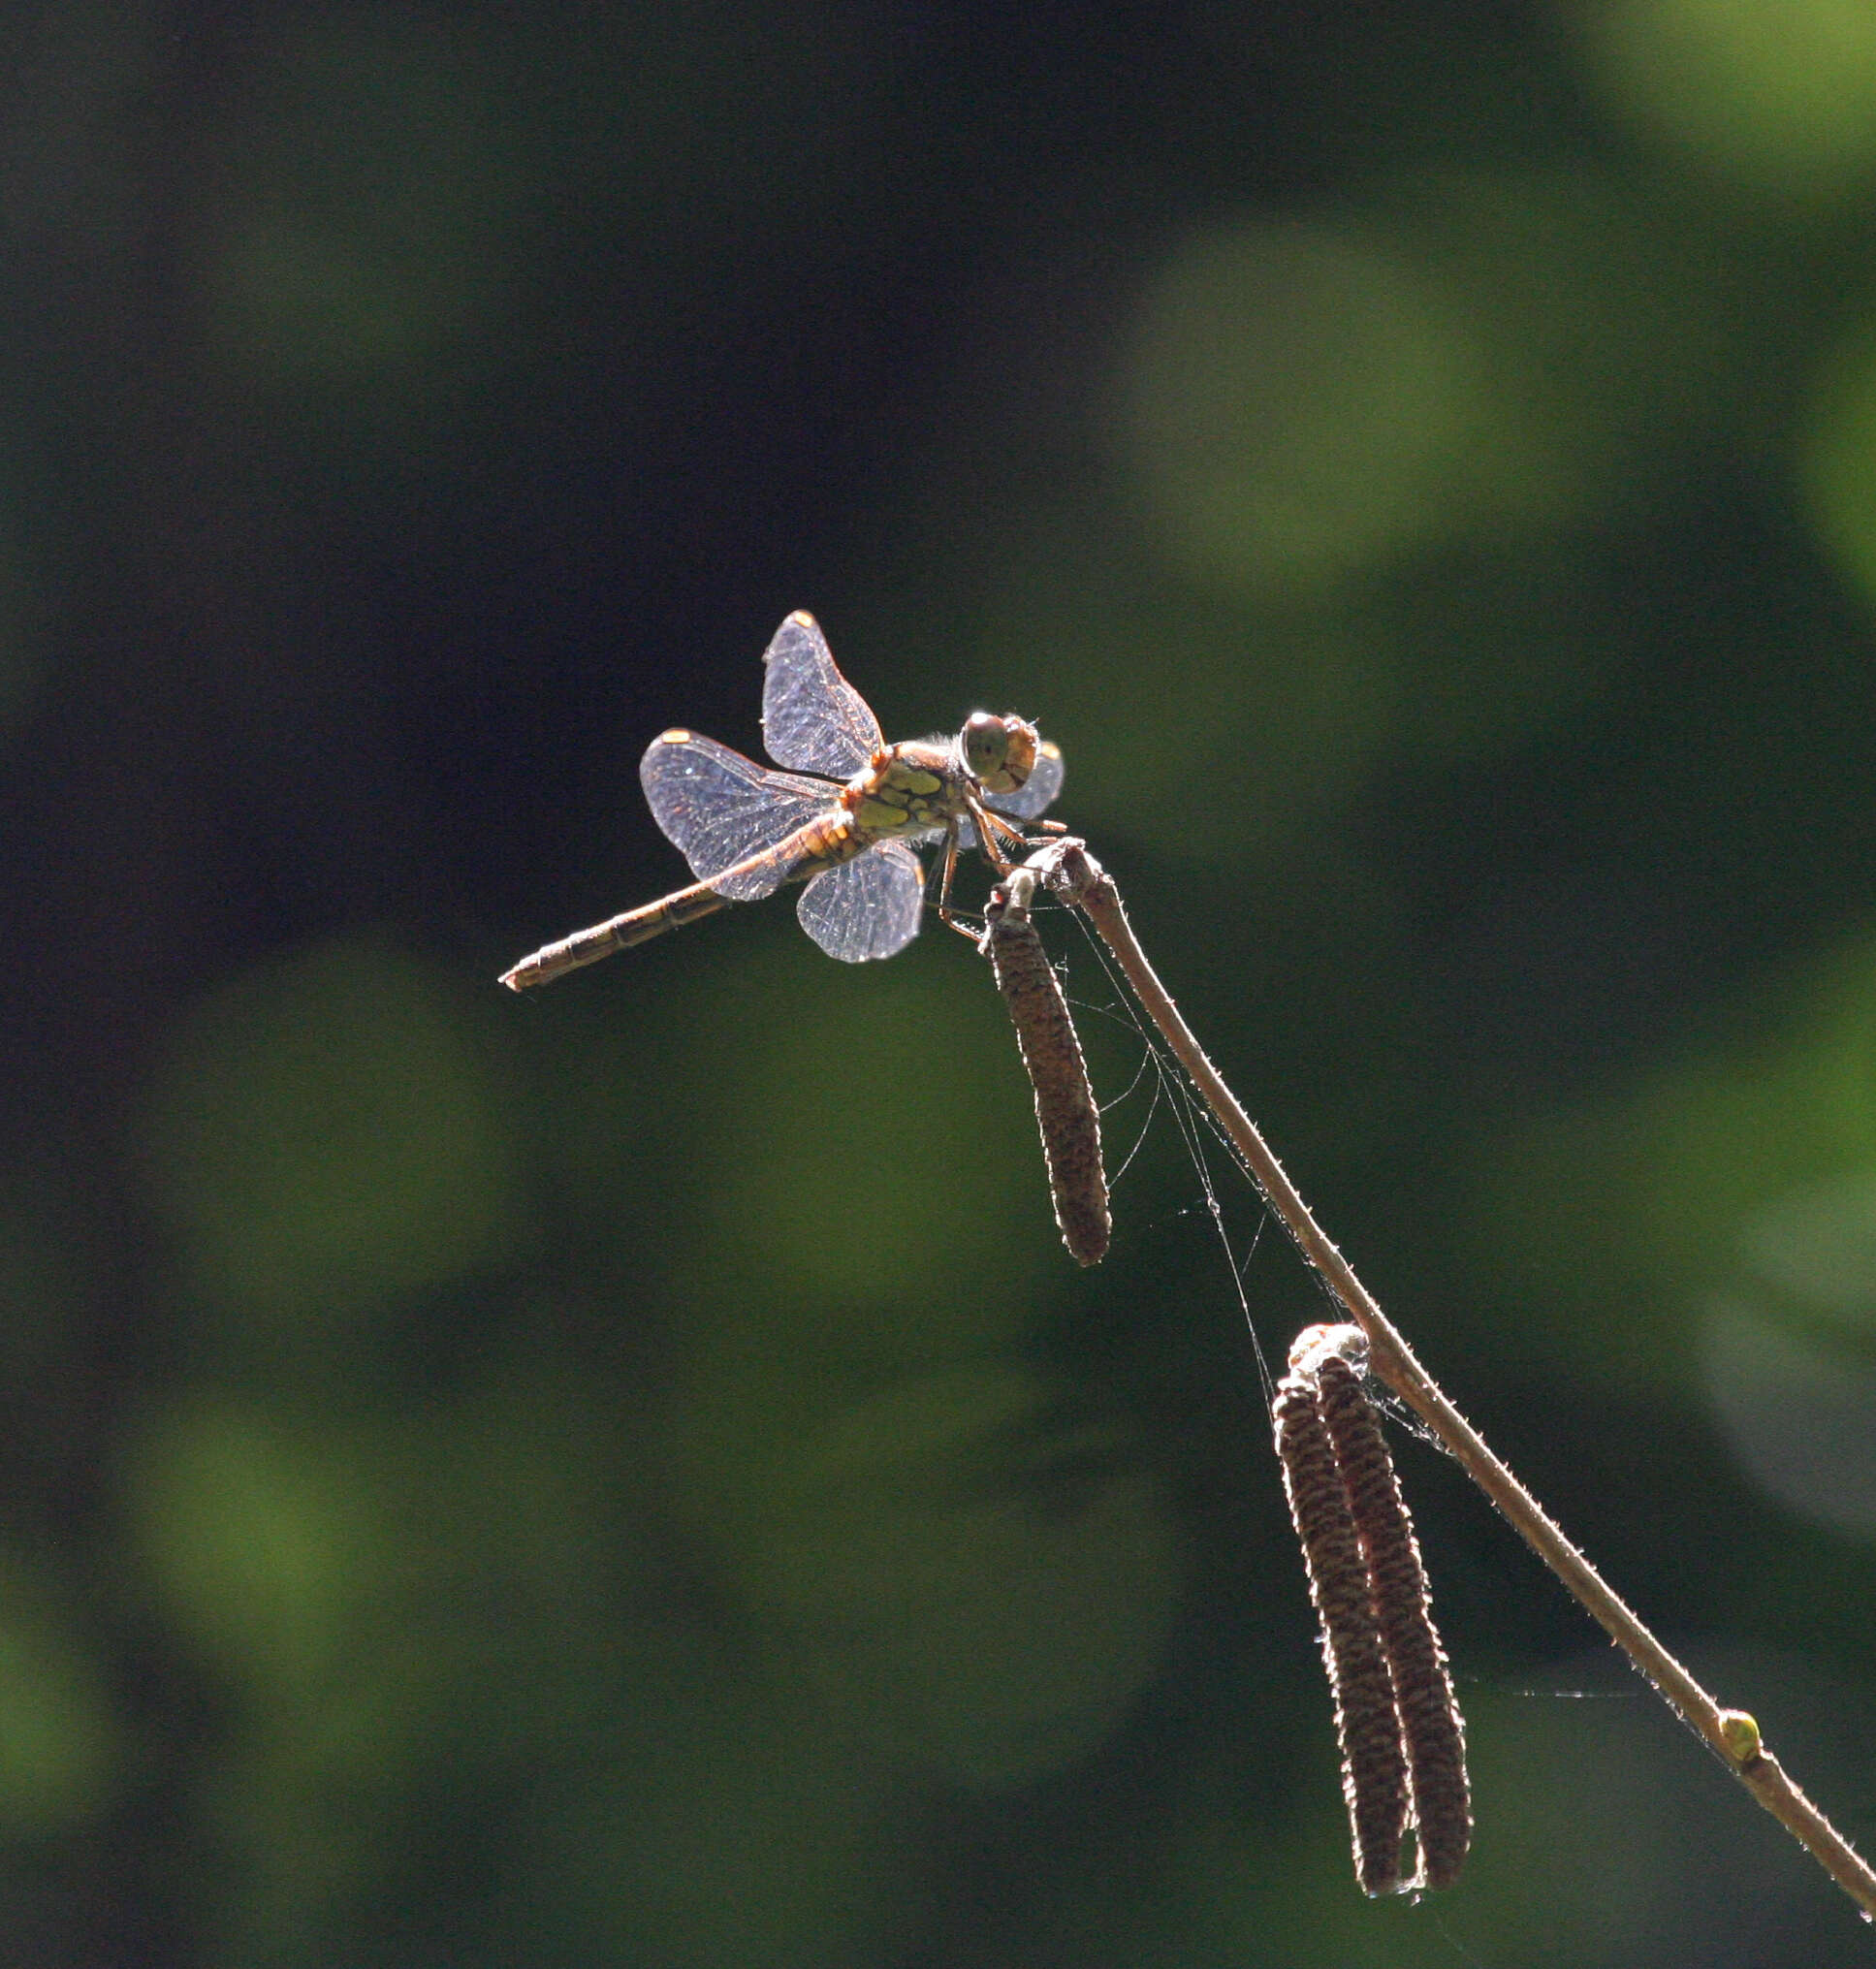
[(1374, 1764), (1431, 1728), (1065, 1102)]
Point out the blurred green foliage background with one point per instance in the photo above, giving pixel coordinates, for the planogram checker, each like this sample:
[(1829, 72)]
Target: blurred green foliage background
[(628, 1476)]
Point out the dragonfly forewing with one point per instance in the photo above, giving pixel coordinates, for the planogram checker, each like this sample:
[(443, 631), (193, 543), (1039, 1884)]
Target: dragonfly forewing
[(866, 908), (721, 809), (812, 718)]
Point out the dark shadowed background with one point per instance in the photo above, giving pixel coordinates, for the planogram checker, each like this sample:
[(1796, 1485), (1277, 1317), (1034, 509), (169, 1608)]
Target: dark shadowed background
[(628, 1476)]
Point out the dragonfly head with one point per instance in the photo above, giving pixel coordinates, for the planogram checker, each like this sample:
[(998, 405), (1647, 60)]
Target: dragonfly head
[(999, 751)]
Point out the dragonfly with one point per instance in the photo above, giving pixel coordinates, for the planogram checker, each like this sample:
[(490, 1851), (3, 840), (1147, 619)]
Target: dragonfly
[(851, 832)]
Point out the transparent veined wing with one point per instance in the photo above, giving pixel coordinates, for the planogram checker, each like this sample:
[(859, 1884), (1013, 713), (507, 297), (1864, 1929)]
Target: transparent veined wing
[(812, 718), (720, 808), (866, 908), (1036, 794)]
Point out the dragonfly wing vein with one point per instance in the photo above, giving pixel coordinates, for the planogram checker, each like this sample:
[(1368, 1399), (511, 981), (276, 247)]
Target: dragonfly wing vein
[(866, 907), (812, 718), (719, 808)]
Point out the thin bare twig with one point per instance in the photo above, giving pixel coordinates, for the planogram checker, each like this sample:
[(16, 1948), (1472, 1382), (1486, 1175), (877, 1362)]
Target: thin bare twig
[(1067, 868)]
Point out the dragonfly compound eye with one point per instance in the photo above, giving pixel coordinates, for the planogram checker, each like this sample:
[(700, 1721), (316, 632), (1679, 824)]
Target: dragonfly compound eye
[(986, 747), (1000, 751)]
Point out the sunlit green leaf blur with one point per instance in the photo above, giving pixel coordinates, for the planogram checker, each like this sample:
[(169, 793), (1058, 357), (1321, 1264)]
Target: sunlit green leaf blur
[(627, 1473)]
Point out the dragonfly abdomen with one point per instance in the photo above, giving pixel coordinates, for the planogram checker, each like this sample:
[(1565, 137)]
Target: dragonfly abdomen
[(821, 845), (618, 933)]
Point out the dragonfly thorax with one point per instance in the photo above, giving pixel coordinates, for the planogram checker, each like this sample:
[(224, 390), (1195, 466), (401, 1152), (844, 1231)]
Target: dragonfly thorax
[(911, 788)]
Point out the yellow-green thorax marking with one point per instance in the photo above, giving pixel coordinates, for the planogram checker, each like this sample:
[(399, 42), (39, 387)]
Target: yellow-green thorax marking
[(906, 789)]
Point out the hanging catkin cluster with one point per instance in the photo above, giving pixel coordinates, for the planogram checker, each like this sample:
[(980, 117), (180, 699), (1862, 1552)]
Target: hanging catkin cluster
[(1403, 1744)]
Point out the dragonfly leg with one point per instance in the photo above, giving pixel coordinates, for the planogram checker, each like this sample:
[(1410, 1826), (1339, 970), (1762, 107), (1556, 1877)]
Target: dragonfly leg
[(1010, 833), (945, 916), (992, 830)]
